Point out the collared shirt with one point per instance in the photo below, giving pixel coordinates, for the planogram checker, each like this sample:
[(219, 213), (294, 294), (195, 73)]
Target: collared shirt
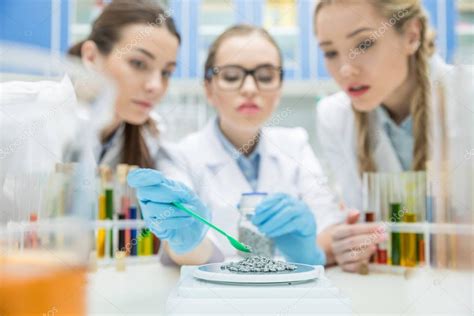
[(248, 165), (401, 136)]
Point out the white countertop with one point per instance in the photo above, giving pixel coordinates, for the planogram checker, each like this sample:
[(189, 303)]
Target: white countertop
[(144, 289)]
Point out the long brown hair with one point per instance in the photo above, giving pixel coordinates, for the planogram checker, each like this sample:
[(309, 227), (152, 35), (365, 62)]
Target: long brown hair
[(420, 101), (106, 31)]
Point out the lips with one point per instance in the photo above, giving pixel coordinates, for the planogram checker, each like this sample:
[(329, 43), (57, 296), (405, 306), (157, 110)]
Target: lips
[(357, 90), (248, 108), (144, 104)]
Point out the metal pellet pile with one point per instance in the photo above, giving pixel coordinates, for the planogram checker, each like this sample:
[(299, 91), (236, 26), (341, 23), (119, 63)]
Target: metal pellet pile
[(258, 264)]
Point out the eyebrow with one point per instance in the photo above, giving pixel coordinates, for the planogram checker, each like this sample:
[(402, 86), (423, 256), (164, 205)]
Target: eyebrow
[(325, 43), (362, 29), (147, 53), (171, 63), (144, 51), (352, 34)]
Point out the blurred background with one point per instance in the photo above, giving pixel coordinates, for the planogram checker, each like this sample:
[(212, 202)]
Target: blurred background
[(57, 24)]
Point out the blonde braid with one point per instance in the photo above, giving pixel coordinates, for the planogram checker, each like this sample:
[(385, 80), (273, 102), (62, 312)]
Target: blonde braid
[(364, 148), (420, 110)]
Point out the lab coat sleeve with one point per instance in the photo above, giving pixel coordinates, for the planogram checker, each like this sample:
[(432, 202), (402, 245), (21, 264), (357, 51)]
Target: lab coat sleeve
[(334, 129), (315, 191), (173, 164)]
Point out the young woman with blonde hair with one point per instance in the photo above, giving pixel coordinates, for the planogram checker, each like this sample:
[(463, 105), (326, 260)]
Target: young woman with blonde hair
[(378, 52)]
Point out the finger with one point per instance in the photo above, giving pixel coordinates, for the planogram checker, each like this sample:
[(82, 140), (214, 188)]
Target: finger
[(165, 234), (144, 177), (291, 226), (170, 223), (355, 255), (269, 202), (278, 220), (353, 266), (162, 193), (161, 211), (344, 230), (262, 216), (353, 217), (355, 242)]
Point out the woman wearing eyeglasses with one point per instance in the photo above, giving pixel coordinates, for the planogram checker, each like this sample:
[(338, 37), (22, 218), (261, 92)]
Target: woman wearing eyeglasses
[(235, 153)]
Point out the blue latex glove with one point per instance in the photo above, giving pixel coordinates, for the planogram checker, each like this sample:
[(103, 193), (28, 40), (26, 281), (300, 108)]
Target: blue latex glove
[(155, 193), (292, 226)]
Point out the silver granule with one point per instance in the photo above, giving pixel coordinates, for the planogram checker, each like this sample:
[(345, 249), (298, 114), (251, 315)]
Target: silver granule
[(258, 264)]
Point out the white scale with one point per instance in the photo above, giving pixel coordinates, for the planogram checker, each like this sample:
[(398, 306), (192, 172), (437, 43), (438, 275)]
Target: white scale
[(208, 289)]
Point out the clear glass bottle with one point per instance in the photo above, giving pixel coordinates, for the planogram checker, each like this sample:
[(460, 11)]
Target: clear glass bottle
[(248, 232)]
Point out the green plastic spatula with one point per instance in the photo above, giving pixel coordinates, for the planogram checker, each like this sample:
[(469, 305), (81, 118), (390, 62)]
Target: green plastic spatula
[(234, 242)]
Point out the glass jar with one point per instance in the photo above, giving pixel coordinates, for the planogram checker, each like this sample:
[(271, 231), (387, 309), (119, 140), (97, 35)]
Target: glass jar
[(248, 232)]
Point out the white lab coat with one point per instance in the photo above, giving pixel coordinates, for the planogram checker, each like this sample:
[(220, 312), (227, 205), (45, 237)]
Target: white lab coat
[(287, 164), (336, 133)]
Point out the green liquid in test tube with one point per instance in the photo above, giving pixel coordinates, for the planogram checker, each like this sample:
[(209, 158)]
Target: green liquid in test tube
[(395, 216)]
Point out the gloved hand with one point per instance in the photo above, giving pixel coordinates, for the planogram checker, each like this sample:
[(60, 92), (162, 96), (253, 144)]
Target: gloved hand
[(155, 193), (292, 226)]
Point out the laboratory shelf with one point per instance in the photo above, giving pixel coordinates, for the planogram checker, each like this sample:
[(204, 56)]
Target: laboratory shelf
[(430, 228), (200, 21)]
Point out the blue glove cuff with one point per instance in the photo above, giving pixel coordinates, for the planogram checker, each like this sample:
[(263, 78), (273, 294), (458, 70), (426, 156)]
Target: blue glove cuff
[(304, 250)]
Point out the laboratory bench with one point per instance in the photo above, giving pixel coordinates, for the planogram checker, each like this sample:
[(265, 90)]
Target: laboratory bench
[(144, 289)]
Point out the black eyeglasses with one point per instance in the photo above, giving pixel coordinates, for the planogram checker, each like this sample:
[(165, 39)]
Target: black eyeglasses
[(232, 77)]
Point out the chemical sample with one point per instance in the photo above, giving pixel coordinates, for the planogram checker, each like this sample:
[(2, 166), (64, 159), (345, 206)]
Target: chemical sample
[(258, 264), (409, 249), (395, 216), (249, 233)]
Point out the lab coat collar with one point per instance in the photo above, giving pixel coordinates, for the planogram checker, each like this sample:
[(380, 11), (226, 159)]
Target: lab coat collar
[(386, 120), (217, 155), (230, 148), (384, 154)]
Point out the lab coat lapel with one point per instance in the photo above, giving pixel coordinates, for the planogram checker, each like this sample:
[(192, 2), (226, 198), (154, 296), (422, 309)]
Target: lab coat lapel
[(269, 172), (222, 169), (385, 156)]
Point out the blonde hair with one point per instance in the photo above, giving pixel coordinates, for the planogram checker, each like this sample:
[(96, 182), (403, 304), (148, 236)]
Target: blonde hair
[(420, 101), (233, 31)]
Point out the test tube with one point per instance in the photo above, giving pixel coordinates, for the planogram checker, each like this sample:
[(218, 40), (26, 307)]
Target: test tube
[(370, 218), (132, 214), (132, 211), (109, 206), (124, 201), (408, 243), (382, 253), (32, 239), (100, 243), (395, 212)]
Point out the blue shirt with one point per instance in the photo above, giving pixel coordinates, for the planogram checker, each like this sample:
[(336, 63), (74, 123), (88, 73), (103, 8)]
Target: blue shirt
[(248, 165), (401, 136)]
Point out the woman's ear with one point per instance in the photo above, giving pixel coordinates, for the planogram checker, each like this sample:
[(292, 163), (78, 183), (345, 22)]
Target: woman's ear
[(91, 56), (413, 35)]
